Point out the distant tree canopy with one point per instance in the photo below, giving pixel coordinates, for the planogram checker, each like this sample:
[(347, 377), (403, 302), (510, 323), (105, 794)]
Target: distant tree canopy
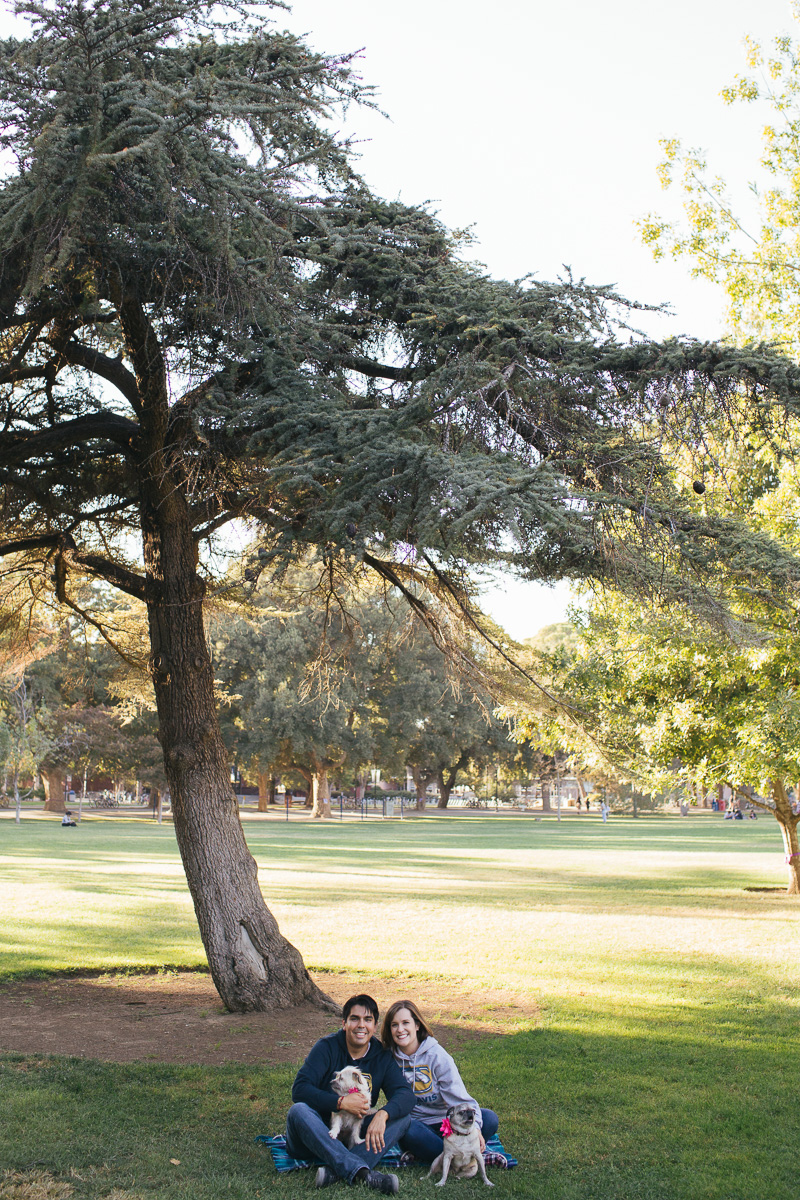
[(69, 704), (206, 316)]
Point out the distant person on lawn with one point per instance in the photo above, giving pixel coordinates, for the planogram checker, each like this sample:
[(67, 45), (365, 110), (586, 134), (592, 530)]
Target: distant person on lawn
[(308, 1122)]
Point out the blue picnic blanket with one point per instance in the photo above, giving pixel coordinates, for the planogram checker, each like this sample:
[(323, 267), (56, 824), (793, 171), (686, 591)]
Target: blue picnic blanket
[(390, 1160)]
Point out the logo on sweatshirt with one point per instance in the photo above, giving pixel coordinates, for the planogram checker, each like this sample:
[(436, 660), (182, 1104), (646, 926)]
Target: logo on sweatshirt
[(422, 1080)]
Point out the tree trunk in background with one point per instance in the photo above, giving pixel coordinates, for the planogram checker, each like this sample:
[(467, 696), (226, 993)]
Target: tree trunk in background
[(266, 790), (421, 780), (447, 783), (54, 782), (545, 797), (788, 823), (321, 793)]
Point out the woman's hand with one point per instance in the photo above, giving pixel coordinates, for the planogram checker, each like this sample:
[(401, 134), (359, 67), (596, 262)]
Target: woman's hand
[(483, 1142), (376, 1130)]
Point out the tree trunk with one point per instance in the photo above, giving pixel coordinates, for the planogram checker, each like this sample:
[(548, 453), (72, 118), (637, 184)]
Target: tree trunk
[(266, 790), (447, 783), (545, 797), (788, 823), (54, 782), (253, 966), (321, 793), (421, 780)]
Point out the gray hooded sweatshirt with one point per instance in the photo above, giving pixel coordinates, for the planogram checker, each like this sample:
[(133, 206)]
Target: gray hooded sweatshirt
[(434, 1077)]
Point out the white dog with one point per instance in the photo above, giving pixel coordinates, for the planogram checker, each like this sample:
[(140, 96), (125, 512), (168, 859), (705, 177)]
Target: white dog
[(344, 1125), (462, 1147)]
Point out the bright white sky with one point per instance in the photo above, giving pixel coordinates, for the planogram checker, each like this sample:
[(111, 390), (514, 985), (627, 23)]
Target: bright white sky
[(537, 122)]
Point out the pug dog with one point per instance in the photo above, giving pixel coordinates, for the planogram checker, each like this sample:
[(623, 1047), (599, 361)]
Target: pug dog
[(344, 1125), (462, 1147)]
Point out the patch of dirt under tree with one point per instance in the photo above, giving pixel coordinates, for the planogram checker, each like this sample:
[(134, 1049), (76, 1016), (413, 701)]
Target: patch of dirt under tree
[(178, 1017)]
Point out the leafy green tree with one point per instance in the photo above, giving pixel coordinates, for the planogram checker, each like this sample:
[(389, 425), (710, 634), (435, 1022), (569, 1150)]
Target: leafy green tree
[(671, 702), (432, 723), (297, 673), (206, 316), (749, 244), (24, 741)]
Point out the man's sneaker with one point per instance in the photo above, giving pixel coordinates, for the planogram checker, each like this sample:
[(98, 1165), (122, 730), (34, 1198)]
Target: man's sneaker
[(493, 1158), (325, 1176), (387, 1185)]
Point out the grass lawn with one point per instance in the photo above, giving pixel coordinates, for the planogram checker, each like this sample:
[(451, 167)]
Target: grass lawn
[(660, 1059)]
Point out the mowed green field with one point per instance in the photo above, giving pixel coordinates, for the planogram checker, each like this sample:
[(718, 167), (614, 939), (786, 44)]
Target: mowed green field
[(658, 1057)]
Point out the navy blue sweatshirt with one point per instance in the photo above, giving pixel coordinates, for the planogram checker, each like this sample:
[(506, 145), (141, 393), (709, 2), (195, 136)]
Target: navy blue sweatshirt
[(312, 1083)]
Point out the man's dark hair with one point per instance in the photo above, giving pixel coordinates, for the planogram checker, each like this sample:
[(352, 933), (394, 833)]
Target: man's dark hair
[(365, 1002)]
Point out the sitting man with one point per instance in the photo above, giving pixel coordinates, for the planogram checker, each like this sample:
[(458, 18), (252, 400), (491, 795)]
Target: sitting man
[(308, 1122)]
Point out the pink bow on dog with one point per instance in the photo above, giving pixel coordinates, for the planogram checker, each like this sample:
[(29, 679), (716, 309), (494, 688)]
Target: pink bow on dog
[(351, 1090), (446, 1129)]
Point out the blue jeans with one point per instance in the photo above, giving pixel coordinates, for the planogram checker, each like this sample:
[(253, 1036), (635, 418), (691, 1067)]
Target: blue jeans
[(424, 1142), (308, 1136)]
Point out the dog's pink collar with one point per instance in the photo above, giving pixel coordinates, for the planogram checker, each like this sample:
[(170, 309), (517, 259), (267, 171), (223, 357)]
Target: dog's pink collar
[(446, 1129), (351, 1090)]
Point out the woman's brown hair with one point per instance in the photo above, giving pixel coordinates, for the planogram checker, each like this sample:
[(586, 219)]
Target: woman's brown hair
[(386, 1032)]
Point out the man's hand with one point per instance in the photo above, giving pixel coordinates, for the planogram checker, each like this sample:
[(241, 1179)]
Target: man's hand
[(355, 1103), (376, 1130), (483, 1143)]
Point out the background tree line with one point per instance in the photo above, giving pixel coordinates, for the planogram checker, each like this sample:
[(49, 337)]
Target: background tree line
[(310, 693)]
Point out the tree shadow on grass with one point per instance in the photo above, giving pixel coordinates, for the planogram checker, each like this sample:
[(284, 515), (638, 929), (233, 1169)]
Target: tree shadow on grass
[(642, 1105)]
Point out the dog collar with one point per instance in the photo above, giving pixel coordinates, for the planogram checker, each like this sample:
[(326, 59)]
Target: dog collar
[(446, 1129), (351, 1090)]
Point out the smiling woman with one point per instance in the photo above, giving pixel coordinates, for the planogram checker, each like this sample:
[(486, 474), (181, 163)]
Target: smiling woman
[(435, 1079)]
